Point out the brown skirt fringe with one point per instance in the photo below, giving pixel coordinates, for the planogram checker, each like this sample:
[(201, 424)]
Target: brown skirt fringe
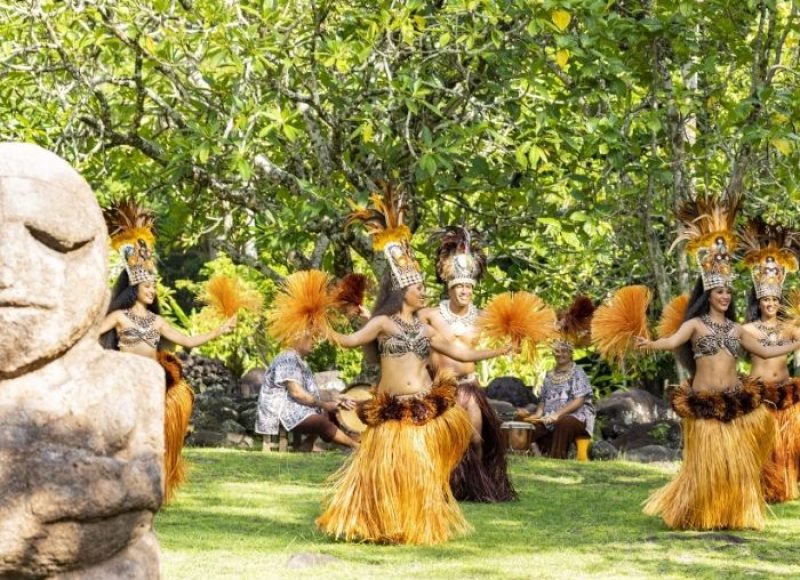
[(719, 483), (395, 488), (179, 400), (780, 473), (417, 410), (483, 477), (720, 405)]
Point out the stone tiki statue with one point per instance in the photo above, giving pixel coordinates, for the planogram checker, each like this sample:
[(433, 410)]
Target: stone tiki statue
[(81, 428)]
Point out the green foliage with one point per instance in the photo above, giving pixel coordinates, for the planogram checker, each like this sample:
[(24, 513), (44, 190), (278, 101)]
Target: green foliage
[(248, 345), (660, 432), (326, 356), (566, 132)]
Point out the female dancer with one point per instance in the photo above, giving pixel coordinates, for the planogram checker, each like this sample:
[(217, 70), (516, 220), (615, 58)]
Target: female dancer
[(396, 487), (727, 433), (770, 258), (133, 324)]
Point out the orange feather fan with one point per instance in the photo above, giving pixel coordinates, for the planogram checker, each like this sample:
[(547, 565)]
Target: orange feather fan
[(672, 316), (619, 321), (226, 295), (518, 317), (301, 307), (350, 290)]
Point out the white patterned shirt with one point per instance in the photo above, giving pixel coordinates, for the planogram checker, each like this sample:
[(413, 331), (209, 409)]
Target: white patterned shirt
[(274, 403), (556, 396)]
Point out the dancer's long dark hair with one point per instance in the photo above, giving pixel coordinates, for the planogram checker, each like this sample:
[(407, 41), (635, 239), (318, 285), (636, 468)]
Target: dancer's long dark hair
[(699, 304), (123, 296)]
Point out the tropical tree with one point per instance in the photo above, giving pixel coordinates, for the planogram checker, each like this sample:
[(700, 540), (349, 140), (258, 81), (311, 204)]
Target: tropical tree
[(567, 131)]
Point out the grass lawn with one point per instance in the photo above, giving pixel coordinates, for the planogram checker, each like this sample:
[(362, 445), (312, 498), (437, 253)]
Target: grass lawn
[(244, 514)]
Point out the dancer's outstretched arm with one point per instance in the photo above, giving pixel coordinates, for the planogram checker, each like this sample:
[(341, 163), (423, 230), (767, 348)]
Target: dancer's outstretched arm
[(173, 335), (752, 345), (683, 334), (462, 353), (365, 335)]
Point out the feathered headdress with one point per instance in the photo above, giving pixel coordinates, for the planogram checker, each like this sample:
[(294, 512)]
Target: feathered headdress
[(460, 258), (707, 225), (575, 323), (769, 255), (132, 232), (390, 235)]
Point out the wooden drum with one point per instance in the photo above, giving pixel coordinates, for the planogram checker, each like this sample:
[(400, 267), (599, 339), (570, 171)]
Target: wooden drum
[(348, 418), (518, 436)]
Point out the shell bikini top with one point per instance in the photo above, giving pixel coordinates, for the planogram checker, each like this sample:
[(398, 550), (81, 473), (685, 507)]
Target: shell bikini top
[(143, 330), (719, 339), (412, 339)]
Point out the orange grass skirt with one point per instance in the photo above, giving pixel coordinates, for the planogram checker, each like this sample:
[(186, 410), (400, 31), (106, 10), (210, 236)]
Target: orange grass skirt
[(719, 483), (396, 487), (780, 473), (179, 400)]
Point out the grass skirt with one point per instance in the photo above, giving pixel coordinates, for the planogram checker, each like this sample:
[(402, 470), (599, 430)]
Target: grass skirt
[(719, 483), (780, 473), (484, 477), (179, 399), (395, 488)]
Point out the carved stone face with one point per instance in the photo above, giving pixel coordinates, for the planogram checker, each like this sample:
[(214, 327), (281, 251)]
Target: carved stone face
[(53, 245)]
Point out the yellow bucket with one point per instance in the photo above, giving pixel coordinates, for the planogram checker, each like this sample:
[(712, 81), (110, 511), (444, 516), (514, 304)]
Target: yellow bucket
[(582, 448)]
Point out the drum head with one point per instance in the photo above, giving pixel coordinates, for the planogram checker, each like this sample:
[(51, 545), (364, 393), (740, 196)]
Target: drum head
[(348, 419), (516, 425)]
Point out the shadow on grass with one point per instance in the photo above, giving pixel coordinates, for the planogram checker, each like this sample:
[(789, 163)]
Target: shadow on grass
[(586, 515)]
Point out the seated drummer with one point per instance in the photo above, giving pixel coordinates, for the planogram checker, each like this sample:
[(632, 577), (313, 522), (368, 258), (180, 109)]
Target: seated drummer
[(565, 411), (290, 397)]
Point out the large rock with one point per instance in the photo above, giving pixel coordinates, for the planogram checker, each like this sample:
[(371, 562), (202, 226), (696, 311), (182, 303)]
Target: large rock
[(512, 390), (505, 410), (662, 433), (247, 413), (81, 428), (651, 453), (222, 419), (309, 560), (204, 438), (603, 451), (617, 414), (204, 373)]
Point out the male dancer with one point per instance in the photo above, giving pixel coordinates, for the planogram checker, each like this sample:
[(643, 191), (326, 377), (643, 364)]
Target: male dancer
[(460, 263)]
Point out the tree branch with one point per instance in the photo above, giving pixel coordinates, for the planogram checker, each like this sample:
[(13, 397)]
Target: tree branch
[(243, 258)]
